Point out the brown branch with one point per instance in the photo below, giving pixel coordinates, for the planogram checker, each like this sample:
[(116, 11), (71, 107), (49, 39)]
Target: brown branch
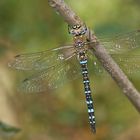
[(99, 51)]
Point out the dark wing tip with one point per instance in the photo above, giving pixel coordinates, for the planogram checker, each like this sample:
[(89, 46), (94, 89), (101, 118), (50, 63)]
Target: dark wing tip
[(17, 56), (25, 80)]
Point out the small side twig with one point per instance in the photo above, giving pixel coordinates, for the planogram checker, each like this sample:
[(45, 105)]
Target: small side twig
[(99, 51)]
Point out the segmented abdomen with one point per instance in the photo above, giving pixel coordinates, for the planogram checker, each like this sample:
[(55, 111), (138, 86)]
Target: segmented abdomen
[(89, 100)]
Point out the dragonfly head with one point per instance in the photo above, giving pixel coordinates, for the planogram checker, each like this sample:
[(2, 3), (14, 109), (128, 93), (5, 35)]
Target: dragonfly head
[(77, 29)]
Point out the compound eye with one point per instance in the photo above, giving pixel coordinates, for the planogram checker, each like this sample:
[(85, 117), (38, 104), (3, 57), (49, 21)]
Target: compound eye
[(74, 27), (78, 26)]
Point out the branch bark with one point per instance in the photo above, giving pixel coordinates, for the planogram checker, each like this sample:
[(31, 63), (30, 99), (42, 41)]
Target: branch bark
[(99, 51)]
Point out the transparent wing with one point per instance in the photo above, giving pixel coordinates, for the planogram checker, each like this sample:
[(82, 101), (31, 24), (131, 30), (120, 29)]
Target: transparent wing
[(94, 64), (42, 60), (129, 63), (122, 43), (52, 77), (124, 50)]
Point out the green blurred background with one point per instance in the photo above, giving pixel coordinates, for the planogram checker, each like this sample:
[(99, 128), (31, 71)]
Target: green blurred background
[(31, 26)]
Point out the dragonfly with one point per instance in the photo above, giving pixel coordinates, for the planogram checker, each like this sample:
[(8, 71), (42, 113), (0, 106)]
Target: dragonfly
[(53, 67)]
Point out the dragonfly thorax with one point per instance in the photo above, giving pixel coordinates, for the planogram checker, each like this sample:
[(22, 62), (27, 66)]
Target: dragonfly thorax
[(79, 45), (79, 41)]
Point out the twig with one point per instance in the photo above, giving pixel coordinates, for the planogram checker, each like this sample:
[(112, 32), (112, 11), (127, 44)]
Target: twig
[(99, 51)]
